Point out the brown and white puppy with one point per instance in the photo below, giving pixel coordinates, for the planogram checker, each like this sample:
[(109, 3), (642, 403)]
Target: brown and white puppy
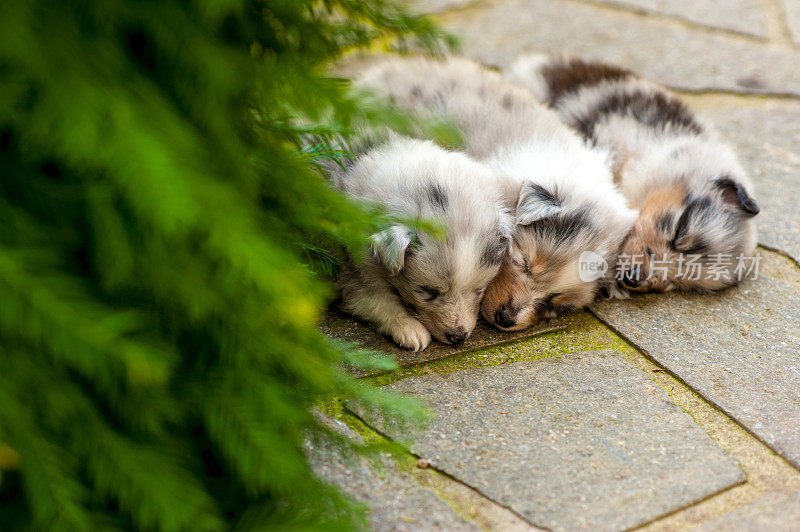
[(694, 199), (560, 189), (411, 284)]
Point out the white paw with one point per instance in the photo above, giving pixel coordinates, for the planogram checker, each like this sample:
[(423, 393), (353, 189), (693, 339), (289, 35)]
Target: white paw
[(409, 333)]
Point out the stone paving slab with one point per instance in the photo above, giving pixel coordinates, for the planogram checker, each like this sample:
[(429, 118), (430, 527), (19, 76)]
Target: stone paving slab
[(344, 327), (496, 32), (396, 501), (791, 9), (767, 139), (778, 511), (743, 16), (740, 350), (576, 442)]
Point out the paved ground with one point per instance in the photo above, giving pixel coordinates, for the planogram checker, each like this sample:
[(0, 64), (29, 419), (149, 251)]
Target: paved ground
[(663, 412)]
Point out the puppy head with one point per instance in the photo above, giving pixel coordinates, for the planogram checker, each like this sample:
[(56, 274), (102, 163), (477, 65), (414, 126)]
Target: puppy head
[(689, 237), (541, 274), (441, 281)]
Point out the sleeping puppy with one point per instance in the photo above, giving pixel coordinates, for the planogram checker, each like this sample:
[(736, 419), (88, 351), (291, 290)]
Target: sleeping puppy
[(695, 201), (560, 190), (410, 284)]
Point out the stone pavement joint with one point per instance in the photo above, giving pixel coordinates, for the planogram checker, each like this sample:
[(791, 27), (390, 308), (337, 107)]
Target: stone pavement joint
[(779, 510), (766, 138), (580, 441), (497, 32), (740, 17), (765, 470), (736, 63), (343, 327), (737, 349), (377, 484)]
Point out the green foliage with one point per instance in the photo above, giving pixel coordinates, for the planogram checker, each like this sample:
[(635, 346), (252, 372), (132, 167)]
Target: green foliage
[(160, 225)]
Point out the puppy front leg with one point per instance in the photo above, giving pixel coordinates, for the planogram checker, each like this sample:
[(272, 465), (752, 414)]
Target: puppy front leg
[(373, 299)]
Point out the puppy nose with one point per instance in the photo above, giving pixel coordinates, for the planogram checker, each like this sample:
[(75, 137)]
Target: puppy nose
[(504, 317), (631, 277), (457, 336)]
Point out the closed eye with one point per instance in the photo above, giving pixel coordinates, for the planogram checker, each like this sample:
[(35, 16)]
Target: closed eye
[(430, 293), (696, 207), (549, 299)]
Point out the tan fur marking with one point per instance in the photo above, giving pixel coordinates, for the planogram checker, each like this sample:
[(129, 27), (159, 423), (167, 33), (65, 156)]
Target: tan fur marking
[(501, 289), (655, 206), (647, 236), (618, 166)]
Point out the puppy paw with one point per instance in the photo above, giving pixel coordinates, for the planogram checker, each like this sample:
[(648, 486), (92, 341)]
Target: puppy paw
[(615, 291), (409, 333)]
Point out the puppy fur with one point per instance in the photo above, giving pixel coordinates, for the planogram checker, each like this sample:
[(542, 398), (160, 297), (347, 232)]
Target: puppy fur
[(560, 190), (694, 199), (411, 284)]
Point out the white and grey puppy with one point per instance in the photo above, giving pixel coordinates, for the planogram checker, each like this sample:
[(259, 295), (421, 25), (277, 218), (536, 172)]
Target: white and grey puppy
[(411, 284), (560, 190), (695, 200)]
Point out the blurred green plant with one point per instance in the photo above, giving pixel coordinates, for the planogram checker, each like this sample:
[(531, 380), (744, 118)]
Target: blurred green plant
[(160, 221)]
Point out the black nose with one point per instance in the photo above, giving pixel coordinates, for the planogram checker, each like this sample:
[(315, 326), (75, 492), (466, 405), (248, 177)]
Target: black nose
[(457, 336), (504, 317), (631, 277)]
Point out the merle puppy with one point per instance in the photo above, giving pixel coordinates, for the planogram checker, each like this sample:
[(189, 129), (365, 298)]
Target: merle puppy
[(695, 201), (559, 189), (411, 284)]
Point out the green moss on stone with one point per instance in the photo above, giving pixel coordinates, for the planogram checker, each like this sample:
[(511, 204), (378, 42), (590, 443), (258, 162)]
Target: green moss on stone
[(583, 332), (335, 408)]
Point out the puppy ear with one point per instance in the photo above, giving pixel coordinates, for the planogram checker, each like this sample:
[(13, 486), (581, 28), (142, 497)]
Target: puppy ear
[(735, 195), (500, 244), (506, 227), (536, 203), (391, 246)]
